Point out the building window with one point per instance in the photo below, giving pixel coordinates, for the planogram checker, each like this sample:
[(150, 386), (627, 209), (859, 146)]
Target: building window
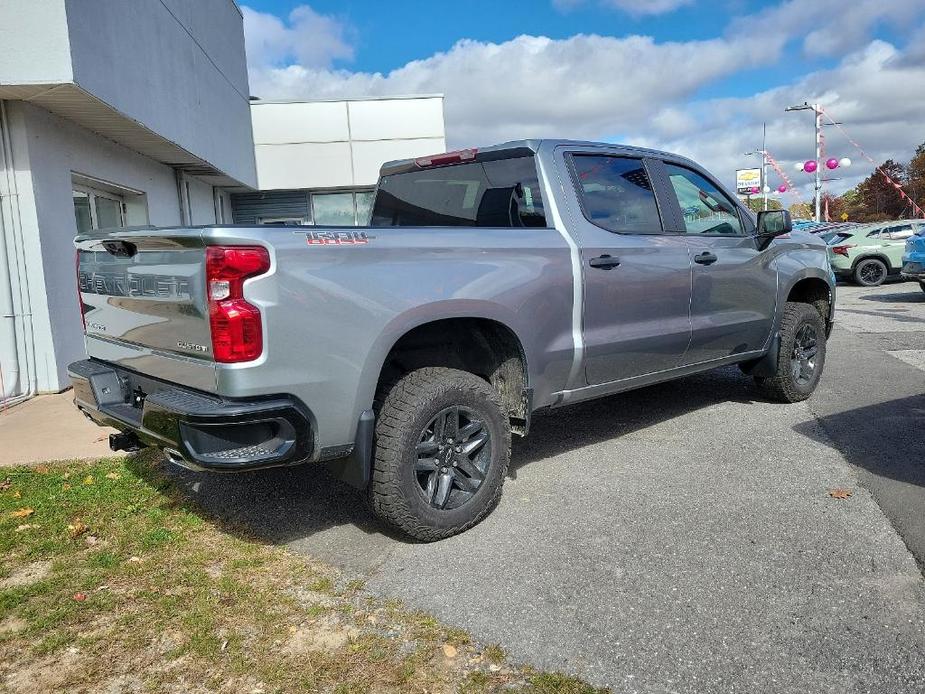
[(333, 209), (96, 209), (99, 204), (364, 207)]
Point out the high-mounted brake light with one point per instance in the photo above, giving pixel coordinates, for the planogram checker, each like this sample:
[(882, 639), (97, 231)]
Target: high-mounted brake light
[(237, 330), (842, 250), (446, 158)]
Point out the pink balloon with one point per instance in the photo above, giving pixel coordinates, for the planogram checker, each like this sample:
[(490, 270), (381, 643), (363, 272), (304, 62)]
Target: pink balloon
[(755, 190), (810, 166), (831, 164), (782, 188)]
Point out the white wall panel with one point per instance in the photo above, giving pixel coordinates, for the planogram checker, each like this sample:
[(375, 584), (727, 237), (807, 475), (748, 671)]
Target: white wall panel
[(389, 119), (316, 146), (305, 165), (321, 121)]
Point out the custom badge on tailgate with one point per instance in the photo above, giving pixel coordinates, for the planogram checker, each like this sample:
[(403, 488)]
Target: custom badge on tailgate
[(338, 238)]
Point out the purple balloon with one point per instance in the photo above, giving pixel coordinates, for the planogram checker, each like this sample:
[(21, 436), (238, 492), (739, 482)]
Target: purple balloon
[(831, 164), (810, 166), (782, 188)]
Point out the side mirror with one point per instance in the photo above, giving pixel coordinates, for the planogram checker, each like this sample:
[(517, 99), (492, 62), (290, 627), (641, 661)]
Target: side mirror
[(771, 224)]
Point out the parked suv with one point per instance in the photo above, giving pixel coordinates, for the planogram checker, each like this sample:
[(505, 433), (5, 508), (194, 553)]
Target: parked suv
[(914, 257), (491, 284), (869, 254)]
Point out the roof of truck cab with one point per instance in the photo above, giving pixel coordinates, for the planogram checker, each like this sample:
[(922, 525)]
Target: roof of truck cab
[(534, 145)]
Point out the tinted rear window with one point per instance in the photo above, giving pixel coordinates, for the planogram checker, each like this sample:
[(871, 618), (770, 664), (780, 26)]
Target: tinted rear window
[(500, 193), (836, 237)]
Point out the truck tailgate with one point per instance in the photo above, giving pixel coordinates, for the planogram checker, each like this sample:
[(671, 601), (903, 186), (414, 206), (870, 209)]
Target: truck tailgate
[(144, 304)]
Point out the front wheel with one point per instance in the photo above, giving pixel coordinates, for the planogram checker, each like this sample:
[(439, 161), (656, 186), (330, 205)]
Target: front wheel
[(801, 356), (870, 272), (443, 444)]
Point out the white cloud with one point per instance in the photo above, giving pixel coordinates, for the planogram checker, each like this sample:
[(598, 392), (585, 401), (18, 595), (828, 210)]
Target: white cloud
[(309, 39), (871, 91), (634, 88)]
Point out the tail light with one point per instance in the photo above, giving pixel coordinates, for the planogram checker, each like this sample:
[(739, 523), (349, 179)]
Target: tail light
[(237, 330), (842, 250)]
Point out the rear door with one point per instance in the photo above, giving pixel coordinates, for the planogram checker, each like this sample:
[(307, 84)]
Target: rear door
[(734, 284), (637, 278), (893, 241)]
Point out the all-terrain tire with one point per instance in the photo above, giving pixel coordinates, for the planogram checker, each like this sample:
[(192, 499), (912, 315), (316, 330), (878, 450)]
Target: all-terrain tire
[(785, 385), (404, 408), (870, 272)]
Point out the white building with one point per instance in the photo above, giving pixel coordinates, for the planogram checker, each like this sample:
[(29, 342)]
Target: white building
[(136, 112), (318, 161), (112, 113)]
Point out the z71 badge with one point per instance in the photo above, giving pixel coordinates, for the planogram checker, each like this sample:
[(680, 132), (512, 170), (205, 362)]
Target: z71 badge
[(338, 238)]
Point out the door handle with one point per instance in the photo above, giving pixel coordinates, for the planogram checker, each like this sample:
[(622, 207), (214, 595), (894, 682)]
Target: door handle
[(706, 258), (604, 262)]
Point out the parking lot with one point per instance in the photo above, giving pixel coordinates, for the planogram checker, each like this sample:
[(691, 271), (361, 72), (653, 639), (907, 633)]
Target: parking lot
[(679, 538)]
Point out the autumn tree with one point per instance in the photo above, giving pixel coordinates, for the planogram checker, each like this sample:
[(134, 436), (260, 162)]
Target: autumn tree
[(879, 198), (915, 177)]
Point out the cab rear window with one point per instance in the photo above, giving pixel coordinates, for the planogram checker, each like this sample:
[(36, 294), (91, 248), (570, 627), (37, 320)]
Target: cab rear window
[(498, 193)]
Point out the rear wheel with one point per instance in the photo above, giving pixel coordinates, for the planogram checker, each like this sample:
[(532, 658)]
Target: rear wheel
[(801, 356), (442, 451), (870, 272)]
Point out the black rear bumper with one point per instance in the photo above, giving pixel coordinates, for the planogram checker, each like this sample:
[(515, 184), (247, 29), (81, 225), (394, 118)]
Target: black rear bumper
[(197, 430)]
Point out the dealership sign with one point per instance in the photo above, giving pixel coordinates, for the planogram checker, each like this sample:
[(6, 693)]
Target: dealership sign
[(748, 181)]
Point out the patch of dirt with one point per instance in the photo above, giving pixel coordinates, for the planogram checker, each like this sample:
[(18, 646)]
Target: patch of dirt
[(308, 598), (11, 625), (320, 637), (27, 575), (48, 674)]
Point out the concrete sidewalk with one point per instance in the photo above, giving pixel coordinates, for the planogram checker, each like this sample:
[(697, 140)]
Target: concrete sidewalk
[(49, 427)]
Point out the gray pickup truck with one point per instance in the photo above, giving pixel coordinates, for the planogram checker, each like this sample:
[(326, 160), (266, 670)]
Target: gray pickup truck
[(489, 284)]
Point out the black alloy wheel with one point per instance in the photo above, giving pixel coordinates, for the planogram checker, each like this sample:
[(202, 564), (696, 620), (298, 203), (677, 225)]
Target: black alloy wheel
[(453, 455), (803, 355)]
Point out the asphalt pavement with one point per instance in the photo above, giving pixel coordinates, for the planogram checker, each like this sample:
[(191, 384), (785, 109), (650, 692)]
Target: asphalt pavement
[(679, 538)]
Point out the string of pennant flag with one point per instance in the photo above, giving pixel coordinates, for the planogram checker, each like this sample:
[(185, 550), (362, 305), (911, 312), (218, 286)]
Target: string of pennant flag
[(780, 172), (895, 184)]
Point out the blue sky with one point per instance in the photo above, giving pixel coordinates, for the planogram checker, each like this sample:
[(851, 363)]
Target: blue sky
[(696, 76)]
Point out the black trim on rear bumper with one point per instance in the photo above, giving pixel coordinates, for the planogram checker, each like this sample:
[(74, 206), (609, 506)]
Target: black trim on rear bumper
[(198, 430)]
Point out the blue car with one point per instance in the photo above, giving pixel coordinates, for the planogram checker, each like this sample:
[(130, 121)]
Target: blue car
[(914, 258)]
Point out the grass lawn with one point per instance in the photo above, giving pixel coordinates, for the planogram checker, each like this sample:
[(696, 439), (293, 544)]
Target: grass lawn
[(111, 582)]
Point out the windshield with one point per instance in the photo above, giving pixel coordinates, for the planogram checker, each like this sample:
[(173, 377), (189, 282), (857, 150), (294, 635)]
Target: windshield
[(500, 193)]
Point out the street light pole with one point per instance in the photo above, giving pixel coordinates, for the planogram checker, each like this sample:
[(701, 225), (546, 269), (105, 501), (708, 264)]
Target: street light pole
[(764, 163), (817, 183)]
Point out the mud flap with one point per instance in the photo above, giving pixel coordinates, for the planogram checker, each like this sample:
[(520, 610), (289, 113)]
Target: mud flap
[(766, 366), (356, 468)]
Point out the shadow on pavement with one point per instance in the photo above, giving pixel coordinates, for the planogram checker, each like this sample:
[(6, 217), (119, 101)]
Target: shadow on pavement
[(911, 294), (886, 439), (288, 504)]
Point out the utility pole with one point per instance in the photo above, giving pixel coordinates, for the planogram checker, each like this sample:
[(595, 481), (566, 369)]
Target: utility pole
[(764, 163), (817, 174)]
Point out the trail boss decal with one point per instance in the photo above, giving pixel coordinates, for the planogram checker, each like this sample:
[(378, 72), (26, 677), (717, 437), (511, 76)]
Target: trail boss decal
[(338, 238)]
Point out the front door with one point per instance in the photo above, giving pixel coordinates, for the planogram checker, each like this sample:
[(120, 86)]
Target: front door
[(637, 279), (734, 284)]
